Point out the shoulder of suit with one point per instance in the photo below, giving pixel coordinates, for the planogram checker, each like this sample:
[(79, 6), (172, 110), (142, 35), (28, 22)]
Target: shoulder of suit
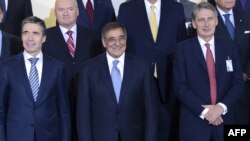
[(53, 60)]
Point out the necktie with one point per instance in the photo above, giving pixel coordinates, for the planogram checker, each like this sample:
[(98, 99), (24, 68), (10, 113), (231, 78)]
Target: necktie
[(33, 78), (4, 8), (90, 12), (70, 43), (243, 2), (229, 25), (153, 22), (211, 73), (116, 79)]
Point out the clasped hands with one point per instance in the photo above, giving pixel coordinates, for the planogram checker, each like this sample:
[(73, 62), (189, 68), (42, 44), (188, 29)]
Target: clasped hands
[(213, 116)]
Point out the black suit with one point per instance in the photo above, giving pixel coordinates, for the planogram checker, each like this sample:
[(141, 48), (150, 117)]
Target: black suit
[(101, 118), (242, 43), (17, 11), (11, 45)]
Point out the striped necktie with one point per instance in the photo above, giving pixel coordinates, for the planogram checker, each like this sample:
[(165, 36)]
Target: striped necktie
[(70, 43), (34, 78)]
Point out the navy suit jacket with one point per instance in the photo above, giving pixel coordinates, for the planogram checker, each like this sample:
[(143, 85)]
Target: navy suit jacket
[(16, 12), (11, 45), (193, 90), (20, 117), (140, 40), (103, 13), (101, 118)]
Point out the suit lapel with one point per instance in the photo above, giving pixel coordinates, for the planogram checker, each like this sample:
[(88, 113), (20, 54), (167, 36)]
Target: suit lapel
[(5, 52), (239, 24), (104, 68), (82, 36), (60, 40), (198, 53), (141, 12), (222, 28), (163, 19), (127, 75), (23, 74), (45, 77), (219, 51)]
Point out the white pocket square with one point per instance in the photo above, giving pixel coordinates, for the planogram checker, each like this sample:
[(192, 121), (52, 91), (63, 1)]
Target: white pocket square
[(246, 32)]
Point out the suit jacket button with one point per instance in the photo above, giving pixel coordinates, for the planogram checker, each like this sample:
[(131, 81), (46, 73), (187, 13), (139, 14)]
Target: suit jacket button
[(32, 125)]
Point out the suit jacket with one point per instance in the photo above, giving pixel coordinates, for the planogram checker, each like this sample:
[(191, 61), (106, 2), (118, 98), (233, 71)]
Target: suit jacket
[(21, 118), (247, 5), (140, 40), (16, 12), (241, 39), (193, 90), (101, 118), (87, 46), (11, 45), (103, 13)]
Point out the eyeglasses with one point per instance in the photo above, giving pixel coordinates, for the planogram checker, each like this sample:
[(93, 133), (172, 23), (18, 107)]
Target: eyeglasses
[(113, 40)]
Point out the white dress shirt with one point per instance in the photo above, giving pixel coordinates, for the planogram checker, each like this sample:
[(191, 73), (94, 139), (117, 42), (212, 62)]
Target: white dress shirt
[(231, 17), (66, 36), (120, 65), (39, 64), (157, 10)]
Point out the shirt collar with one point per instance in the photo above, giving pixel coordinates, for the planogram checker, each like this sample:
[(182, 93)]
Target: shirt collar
[(28, 56), (157, 4), (64, 30), (222, 12)]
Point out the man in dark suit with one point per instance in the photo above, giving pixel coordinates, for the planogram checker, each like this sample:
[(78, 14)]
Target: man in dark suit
[(107, 112), (157, 49), (9, 45), (103, 12), (241, 40), (208, 80), (86, 44), (33, 103), (15, 12)]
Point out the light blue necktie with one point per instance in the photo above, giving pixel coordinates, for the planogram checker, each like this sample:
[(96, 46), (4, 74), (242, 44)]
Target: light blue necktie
[(116, 79), (229, 25), (33, 78)]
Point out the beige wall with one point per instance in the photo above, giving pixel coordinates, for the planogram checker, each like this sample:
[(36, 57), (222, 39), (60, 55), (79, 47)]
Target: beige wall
[(44, 9)]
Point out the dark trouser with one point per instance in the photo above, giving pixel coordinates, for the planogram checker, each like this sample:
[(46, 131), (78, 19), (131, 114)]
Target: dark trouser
[(243, 107)]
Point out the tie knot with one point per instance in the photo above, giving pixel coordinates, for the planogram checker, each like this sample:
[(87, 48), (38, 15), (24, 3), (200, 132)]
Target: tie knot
[(207, 45), (115, 62), (69, 32), (152, 7), (33, 61), (226, 16)]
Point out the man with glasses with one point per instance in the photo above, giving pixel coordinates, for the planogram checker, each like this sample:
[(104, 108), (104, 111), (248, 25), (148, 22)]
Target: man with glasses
[(115, 100)]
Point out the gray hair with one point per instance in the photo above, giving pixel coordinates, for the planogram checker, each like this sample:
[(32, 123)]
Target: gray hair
[(203, 5)]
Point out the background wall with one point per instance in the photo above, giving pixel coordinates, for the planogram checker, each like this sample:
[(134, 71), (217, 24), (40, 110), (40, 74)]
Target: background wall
[(45, 9)]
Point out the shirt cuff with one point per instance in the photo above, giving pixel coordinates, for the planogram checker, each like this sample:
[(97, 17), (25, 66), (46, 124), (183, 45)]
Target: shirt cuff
[(203, 113), (224, 108)]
